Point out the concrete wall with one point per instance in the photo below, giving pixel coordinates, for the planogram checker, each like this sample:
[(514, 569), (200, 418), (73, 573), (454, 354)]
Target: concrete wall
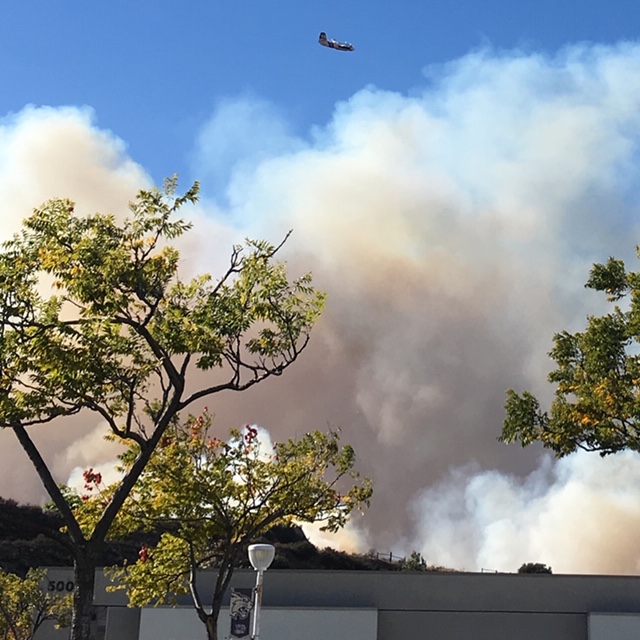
[(465, 625), (277, 623), (474, 592), (611, 626), (123, 623)]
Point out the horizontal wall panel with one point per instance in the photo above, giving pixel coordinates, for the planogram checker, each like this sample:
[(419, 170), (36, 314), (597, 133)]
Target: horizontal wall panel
[(166, 623), (465, 625), (612, 626)]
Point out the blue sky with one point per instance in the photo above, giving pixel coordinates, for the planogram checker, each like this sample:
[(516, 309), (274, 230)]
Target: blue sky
[(449, 184), (154, 71)]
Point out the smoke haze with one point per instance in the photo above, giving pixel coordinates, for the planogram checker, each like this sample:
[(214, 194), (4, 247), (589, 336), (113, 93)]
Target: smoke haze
[(453, 229), (581, 513)]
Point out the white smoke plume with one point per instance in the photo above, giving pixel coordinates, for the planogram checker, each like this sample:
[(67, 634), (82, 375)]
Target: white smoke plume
[(59, 152), (453, 229), (581, 514)]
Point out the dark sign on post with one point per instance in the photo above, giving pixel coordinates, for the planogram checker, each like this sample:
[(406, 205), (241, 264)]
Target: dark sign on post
[(240, 611)]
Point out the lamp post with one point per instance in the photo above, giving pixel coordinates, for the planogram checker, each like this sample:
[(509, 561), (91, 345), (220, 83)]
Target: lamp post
[(260, 557)]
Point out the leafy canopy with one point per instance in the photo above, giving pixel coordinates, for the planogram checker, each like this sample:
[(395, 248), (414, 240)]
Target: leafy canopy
[(534, 567), (24, 605), (95, 317), (597, 378), (212, 497), (122, 327)]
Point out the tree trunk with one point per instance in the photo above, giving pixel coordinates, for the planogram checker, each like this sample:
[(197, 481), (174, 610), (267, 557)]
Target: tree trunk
[(84, 567), (84, 573), (212, 627), (211, 619)]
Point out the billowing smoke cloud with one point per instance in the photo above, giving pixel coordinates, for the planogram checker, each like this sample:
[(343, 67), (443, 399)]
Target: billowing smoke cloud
[(577, 515), (453, 229), (47, 153), (242, 133)]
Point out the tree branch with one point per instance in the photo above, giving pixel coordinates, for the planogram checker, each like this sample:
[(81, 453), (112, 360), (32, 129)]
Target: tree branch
[(49, 483)]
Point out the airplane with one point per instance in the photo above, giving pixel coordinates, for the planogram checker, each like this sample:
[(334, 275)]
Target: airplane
[(334, 44)]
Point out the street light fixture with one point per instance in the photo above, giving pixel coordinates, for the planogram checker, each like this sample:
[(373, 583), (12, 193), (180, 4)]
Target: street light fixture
[(260, 557)]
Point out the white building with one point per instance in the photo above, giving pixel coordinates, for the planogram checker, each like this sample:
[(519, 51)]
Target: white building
[(387, 605)]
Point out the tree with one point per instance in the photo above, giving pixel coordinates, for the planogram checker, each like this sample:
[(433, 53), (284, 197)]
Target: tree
[(122, 332), (24, 606), (211, 498), (415, 562), (597, 397), (534, 567)]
